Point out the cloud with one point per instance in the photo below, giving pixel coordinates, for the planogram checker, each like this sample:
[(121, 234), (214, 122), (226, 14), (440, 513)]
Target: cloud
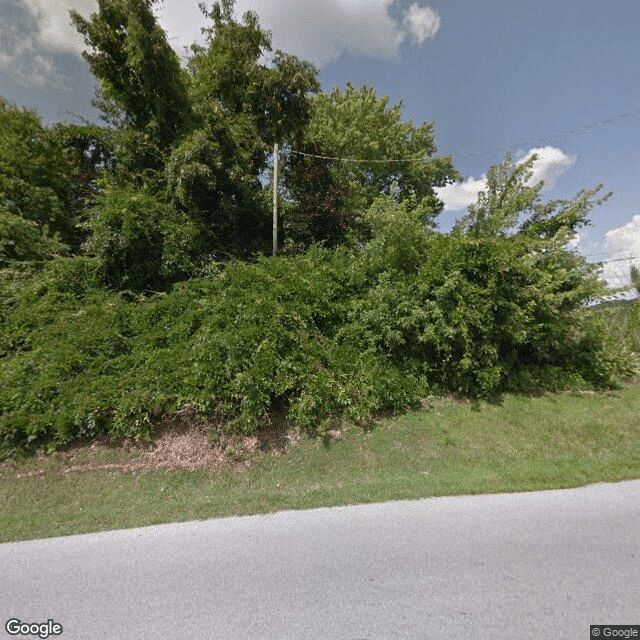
[(460, 195), (549, 166), (56, 33), (623, 247), (422, 22), (574, 243), (625, 238), (31, 33), (318, 31)]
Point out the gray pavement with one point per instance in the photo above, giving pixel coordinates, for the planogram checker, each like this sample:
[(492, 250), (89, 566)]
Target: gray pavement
[(529, 565)]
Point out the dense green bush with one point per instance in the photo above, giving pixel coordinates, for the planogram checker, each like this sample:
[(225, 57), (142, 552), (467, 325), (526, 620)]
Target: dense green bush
[(144, 243), (317, 336), (23, 240), (39, 189)]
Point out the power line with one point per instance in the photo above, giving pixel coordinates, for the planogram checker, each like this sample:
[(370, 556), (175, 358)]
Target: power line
[(609, 253), (466, 154), (361, 160), (565, 134), (618, 259)]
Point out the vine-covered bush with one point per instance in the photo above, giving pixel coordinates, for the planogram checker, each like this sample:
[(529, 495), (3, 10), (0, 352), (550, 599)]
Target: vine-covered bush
[(326, 334)]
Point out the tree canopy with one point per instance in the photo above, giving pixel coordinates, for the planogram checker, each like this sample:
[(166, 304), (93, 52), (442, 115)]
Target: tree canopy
[(142, 86), (379, 152), (133, 276), (47, 180), (195, 140)]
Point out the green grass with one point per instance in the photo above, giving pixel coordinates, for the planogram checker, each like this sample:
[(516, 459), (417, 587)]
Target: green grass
[(520, 444)]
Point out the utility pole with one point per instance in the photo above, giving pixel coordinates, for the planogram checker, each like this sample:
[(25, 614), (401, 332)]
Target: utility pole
[(275, 198)]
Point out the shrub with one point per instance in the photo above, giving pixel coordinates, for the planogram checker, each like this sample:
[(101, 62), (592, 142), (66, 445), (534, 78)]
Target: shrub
[(126, 238), (318, 336)]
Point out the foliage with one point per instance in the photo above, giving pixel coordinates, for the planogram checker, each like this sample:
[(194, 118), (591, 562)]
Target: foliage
[(476, 313), (634, 275), (228, 75), (91, 149), (143, 242), (317, 336), (126, 239), (40, 189), (142, 85), (355, 123), (241, 108), (195, 138), (633, 331), (385, 313), (318, 213), (509, 198), (24, 240)]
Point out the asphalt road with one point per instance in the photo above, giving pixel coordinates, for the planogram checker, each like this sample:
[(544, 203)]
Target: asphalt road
[(530, 565)]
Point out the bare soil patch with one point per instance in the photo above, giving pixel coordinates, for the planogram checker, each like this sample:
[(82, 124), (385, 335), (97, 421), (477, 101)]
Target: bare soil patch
[(179, 441)]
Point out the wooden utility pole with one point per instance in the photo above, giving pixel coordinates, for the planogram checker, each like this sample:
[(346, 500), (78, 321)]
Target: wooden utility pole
[(275, 198)]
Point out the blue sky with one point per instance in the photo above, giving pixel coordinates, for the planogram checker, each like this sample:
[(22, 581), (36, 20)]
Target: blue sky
[(490, 74)]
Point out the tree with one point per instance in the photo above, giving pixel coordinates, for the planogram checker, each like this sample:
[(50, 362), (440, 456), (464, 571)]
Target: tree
[(240, 108), (229, 77), (357, 124), (546, 288), (143, 242), (193, 142), (498, 303), (507, 197), (42, 187), (142, 86), (510, 204)]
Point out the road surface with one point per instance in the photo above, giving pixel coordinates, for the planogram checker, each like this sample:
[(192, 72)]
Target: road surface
[(530, 565)]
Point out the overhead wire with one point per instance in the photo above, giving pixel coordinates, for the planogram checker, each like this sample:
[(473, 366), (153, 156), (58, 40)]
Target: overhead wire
[(618, 259), (565, 134), (609, 253), (465, 154)]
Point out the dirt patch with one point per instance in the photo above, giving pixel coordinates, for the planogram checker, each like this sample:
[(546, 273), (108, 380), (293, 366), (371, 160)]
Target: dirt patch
[(179, 441)]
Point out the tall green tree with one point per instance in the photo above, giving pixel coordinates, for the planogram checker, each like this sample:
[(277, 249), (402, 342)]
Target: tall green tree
[(242, 104), (511, 204), (230, 75), (44, 184), (191, 144), (142, 86), (380, 154), (546, 288)]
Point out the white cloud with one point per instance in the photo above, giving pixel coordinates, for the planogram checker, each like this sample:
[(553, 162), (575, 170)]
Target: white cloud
[(423, 22), (625, 238), (317, 31), (623, 247), (551, 163), (312, 30), (574, 244), (31, 32), (321, 31), (460, 195), (56, 33)]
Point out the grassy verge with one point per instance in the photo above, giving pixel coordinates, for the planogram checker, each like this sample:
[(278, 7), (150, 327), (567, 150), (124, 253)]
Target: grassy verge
[(519, 444)]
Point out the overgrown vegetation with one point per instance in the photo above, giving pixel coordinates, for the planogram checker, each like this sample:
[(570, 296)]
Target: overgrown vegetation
[(134, 281), (450, 447), (317, 336)]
